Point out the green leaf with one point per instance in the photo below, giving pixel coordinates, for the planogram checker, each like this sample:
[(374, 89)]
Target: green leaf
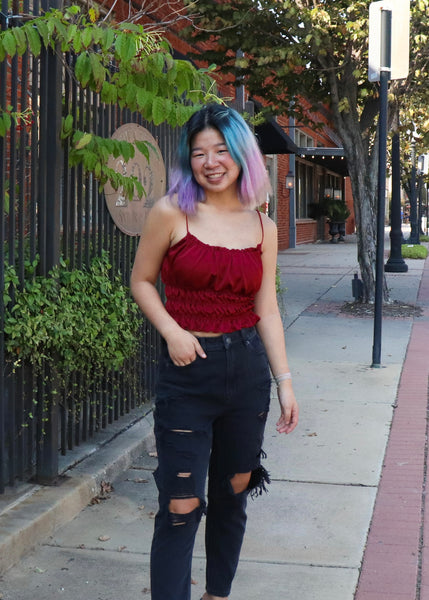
[(42, 28), (127, 150), (158, 63), (125, 46), (77, 41), (83, 68), (62, 33), (86, 37), (109, 93), (67, 127), (21, 40), (158, 110), (9, 43), (33, 38), (131, 96), (144, 99), (143, 147), (107, 38), (128, 27), (98, 71), (7, 120), (73, 10), (83, 141)]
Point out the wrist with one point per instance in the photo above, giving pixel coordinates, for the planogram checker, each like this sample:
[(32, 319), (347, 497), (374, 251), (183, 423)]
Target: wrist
[(171, 331), (279, 379)]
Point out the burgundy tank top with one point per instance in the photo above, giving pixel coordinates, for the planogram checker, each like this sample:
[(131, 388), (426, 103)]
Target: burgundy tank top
[(212, 288)]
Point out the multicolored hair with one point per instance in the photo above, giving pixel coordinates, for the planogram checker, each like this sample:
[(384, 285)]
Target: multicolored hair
[(253, 181)]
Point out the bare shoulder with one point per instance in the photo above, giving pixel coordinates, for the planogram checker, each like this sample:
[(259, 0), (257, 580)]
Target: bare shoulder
[(165, 213), (166, 208), (270, 228)]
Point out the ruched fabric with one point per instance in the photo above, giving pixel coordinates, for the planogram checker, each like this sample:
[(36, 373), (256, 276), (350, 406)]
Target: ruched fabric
[(211, 288)]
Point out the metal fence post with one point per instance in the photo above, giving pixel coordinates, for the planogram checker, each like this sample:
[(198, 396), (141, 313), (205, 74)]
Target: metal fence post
[(49, 240)]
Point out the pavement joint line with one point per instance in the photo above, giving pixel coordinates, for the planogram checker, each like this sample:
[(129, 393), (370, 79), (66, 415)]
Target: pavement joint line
[(333, 483), (95, 549), (293, 563)]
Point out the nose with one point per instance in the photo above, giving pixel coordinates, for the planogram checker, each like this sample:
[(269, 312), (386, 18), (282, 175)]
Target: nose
[(210, 159)]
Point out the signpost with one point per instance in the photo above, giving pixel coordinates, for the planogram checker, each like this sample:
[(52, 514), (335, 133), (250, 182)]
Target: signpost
[(387, 20)]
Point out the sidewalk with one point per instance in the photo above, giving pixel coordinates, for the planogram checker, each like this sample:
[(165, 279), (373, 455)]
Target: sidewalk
[(344, 518)]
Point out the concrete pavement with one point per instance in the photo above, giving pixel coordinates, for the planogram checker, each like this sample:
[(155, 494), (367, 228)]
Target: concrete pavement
[(317, 535)]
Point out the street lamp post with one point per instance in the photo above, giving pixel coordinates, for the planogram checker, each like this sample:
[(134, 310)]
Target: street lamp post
[(414, 217), (396, 263)]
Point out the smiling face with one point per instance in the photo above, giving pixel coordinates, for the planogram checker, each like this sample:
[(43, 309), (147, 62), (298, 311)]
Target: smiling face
[(212, 165)]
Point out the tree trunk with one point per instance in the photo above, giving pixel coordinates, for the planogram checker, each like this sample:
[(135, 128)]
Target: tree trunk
[(363, 171), (365, 231)]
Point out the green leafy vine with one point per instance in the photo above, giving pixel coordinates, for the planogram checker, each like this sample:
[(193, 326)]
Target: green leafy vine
[(123, 63)]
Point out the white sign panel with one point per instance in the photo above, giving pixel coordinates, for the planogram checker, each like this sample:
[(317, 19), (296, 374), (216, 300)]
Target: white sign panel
[(400, 38)]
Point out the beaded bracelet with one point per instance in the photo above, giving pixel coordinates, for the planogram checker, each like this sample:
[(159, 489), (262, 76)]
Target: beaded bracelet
[(282, 377)]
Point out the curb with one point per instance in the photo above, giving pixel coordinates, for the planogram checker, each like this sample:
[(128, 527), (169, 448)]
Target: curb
[(39, 512)]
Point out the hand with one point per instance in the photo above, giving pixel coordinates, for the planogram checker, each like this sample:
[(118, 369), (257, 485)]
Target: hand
[(289, 408), (183, 347)]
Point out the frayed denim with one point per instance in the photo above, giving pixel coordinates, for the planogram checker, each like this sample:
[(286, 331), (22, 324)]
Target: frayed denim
[(209, 420)]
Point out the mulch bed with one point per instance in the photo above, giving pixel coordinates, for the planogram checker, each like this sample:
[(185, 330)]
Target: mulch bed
[(394, 310)]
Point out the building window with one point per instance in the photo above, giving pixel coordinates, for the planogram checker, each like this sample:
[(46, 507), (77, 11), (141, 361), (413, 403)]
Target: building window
[(302, 140), (304, 178)]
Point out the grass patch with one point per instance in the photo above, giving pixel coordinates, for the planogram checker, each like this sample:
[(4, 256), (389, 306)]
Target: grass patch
[(416, 251), (424, 238)]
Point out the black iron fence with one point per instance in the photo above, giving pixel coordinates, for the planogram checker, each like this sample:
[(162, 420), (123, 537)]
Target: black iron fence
[(51, 211)]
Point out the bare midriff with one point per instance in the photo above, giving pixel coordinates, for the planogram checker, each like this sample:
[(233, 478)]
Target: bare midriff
[(205, 334)]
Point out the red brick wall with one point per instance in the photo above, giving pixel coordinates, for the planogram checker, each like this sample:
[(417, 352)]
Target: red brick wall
[(306, 231), (282, 201)]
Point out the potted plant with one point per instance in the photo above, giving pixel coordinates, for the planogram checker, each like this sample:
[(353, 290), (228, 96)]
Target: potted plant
[(336, 212)]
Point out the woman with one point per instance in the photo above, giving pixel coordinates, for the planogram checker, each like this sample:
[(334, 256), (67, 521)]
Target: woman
[(222, 334)]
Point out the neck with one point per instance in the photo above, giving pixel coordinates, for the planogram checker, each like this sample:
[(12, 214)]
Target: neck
[(225, 201)]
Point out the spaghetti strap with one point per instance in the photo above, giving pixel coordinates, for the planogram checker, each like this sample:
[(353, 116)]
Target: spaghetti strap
[(262, 226), (187, 226)]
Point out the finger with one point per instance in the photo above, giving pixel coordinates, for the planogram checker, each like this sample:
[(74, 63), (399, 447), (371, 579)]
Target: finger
[(287, 425), (199, 350)]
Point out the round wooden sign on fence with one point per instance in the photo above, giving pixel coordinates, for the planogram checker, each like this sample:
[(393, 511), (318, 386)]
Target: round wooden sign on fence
[(129, 215)]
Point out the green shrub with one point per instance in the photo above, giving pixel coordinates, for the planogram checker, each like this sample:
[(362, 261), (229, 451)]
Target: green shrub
[(80, 321), (414, 251)]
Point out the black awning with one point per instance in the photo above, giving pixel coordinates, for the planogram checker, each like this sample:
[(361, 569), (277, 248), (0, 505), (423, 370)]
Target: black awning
[(273, 139), (332, 159)]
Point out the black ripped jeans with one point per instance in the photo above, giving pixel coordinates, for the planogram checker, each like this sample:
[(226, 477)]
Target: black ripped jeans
[(209, 417)]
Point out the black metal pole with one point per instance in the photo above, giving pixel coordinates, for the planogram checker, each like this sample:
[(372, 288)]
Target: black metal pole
[(420, 203), (386, 29), (50, 108), (414, 234), (396, 263)]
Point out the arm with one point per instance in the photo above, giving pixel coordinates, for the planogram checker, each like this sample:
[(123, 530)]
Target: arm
[(158, 234), (270, 328)]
